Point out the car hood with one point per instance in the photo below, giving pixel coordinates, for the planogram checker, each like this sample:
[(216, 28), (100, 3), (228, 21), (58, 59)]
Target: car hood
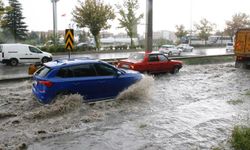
[(177, 61), (130, 61), (48, 54)]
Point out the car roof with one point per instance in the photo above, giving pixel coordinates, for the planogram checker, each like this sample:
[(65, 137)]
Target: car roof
[(168, 45), (147, 52), (68, 62)]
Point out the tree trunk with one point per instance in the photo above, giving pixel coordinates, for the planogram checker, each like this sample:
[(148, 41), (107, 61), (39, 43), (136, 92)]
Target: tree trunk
[(131, 42), (97, 42)]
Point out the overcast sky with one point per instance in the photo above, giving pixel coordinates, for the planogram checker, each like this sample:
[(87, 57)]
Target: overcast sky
[(167, 13)]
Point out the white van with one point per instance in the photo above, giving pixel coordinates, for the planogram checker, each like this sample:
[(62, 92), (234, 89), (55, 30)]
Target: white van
[(12, 54), (229, 46)]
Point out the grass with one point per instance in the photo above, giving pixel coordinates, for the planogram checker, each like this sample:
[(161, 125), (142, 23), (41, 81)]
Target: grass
[(241, 138), (208, 60), (235, 102)]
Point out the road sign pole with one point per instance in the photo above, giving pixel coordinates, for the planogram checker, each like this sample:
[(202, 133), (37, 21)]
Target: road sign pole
[(69, 40)]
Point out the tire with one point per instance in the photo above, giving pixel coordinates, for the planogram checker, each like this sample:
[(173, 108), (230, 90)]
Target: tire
[(175, 70), (13, 62), (240, 65), (45, 59)]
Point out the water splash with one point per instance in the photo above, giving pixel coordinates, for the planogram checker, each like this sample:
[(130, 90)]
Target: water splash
[(137, 91), (62, 105)]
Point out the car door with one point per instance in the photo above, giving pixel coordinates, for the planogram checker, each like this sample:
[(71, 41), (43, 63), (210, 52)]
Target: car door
[(33, 54), (153, 63), (79, 79), (110, 83), (165, 64)]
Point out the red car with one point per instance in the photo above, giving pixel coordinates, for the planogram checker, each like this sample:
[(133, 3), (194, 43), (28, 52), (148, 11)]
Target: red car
[(150, 62)]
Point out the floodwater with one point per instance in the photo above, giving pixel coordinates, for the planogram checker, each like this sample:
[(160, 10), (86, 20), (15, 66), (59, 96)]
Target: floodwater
[(194, 109)]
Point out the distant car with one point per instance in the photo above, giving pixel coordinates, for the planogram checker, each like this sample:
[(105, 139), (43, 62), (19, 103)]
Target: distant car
[(229, 46), (153, 62), (13, 54), (85, 46), (185, 47), (170, 50), (93, 79)]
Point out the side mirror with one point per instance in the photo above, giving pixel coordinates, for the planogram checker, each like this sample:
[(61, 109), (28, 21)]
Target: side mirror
[(118, 73)]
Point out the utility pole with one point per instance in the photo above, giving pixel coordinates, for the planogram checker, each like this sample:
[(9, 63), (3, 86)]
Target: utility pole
[(149, 26), (54, 20)]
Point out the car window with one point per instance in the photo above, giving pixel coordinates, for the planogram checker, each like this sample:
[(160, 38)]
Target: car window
[(104, 70), (162, 58), (65, 73), (84, 70), (1, 47), (34, 50), (43, 71), (136, 56), (230, 44), (152, 58)]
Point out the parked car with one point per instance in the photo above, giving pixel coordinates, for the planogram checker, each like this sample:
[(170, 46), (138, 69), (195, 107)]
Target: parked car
[(12, 54), (229, 46), (185, 47), (170, 50), (85, 46), (153, 62), (93, 79)]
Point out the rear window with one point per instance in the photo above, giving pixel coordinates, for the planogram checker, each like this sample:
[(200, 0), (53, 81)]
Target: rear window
[(229, 44), (136, 56), (42, 72), (167, 46)]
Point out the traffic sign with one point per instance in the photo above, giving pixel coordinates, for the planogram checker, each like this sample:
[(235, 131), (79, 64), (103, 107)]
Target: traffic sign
[(69, 39)]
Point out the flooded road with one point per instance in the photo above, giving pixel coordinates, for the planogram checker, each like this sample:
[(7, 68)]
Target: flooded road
[(195, 109)]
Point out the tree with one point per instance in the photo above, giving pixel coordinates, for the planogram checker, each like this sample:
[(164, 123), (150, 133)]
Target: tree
[(93, 14), (204, 29), (128, 19), (181, 32), (1, 9), (239, 20), (13, 23)]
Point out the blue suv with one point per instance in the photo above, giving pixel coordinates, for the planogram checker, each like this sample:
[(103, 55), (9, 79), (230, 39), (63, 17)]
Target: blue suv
[(93, 79)]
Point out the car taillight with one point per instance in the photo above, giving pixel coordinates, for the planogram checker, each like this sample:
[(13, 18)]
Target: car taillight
[(132, 66), (46, 83)]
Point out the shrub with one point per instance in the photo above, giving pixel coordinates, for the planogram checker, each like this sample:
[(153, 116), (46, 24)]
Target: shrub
[(241, 138)]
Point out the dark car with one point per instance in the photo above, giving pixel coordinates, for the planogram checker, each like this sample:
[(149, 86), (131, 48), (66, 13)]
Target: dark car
[(150, 62), (93, 79)]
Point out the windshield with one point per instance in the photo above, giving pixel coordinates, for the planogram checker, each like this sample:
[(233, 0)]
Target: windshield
[(136, 56)]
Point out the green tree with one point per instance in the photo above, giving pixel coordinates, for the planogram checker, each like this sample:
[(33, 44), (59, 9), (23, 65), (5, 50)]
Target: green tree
[(13, 23), (180, 31), (93, 14), (1, 9), (239, 20), (204, 29), (128, 19)]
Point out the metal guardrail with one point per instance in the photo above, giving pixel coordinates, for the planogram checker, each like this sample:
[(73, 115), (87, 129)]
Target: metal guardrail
[(113, 61)]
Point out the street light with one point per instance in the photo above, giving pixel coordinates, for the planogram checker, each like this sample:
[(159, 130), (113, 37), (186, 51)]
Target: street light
[(54, 20)]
